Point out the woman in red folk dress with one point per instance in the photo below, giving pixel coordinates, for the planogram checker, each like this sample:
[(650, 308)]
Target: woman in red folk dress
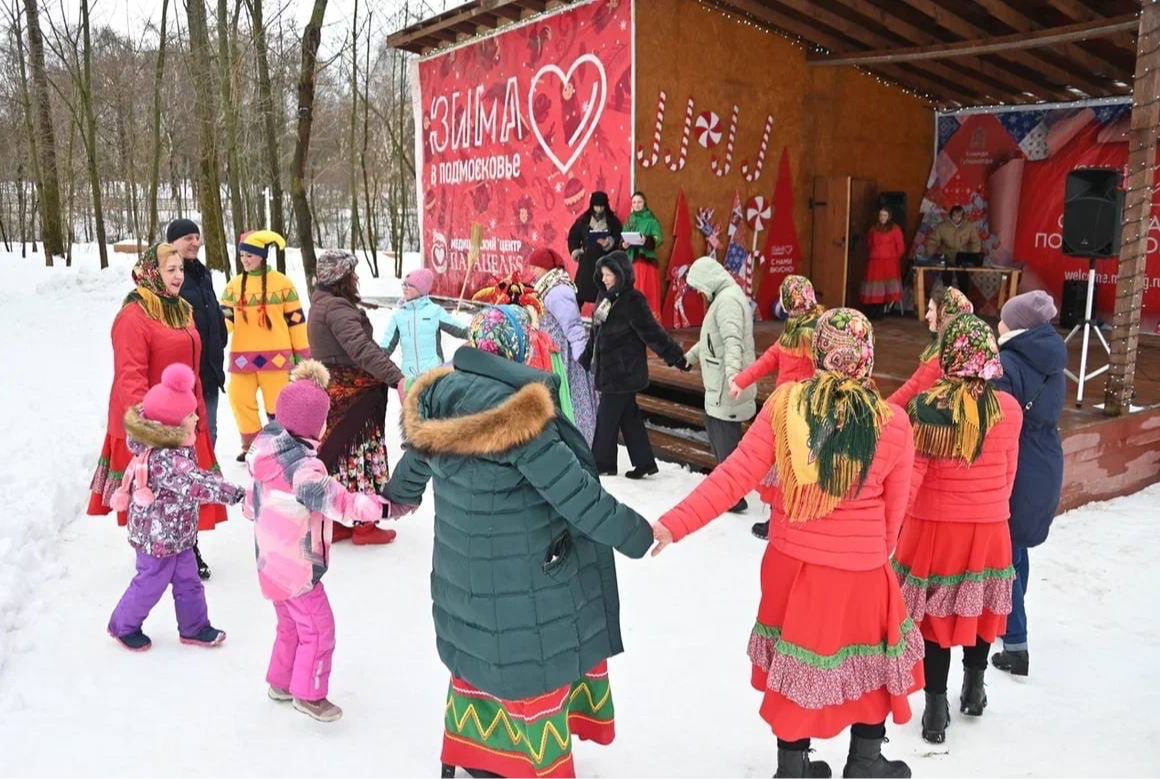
[(153, 330), (791, 357), (944, 305), (954, 555), (883, 283), (833, 646)]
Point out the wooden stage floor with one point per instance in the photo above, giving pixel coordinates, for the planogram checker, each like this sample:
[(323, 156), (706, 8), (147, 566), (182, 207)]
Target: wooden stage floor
[(1103, 457)]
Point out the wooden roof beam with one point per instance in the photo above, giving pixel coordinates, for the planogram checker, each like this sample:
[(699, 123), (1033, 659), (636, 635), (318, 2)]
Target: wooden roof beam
[(948, 20), (1021, 22), (1045, 37), (921, 36), (942, 93), (860, 33), (1080, 11)]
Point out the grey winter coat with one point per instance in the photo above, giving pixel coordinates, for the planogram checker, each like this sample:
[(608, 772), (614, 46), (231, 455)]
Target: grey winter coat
[(726, 345)]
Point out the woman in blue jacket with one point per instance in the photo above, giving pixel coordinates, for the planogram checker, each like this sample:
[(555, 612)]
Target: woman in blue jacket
[(1034, 358), (418, 326)]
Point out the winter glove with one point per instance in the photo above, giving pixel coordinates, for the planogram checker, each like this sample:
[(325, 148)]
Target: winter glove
[(402, 389), (396, 510), (683, 365), (367, 508)]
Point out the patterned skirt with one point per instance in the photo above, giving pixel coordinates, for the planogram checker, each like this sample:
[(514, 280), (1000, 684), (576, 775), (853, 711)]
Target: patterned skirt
[(531, 736), (115, 457), (956, 579), (883, 281), (831, 648), (354, 448)]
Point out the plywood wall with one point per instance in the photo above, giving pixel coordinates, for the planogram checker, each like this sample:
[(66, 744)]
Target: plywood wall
[(836, 121)]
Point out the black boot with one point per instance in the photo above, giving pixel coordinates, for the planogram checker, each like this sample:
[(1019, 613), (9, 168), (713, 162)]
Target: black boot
[(448, 772), (203, 571), (973, 699), (866, 760), (639, 473), (797, 763), (741, 507), (935, 718), (761, 530), (1013, 661)]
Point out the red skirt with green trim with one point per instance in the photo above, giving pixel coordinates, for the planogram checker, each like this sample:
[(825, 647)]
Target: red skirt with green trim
[(831, 648), (115, 457), (527, 737), (956, 579)]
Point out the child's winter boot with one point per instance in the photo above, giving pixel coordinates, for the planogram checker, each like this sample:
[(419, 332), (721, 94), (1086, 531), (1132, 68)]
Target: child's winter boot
[(797, 763), (208, 636), (371, 534), (278, 694), (321, 710), (866, 760), (974, 696), (935, 718), (134, 642)]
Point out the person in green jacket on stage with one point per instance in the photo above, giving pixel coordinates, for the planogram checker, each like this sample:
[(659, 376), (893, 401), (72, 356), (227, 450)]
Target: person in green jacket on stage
[(524, 585), (644, 258)]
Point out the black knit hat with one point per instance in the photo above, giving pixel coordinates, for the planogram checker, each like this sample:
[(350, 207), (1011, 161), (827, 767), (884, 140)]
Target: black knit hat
[(179, 228)]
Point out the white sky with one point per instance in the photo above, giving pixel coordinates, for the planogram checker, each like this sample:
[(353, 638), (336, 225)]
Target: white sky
[(134, 15)]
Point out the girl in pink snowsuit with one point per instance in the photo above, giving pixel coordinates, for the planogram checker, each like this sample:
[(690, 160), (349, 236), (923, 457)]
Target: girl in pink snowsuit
[(294, 504)]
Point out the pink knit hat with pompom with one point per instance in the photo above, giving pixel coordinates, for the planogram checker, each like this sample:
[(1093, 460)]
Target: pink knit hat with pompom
[(171, 401), (303, 404)]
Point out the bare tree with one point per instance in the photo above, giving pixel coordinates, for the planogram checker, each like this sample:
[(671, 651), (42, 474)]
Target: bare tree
[(269, 123), (209, 189), (311, 37), (155, 162), (45, 144), (229, 109)]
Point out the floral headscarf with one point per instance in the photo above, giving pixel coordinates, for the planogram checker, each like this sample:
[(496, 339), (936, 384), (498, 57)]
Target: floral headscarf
[(516, 291), (801, 305), (151, 293), (952, 418), (827, 427), (502, 331), (953, 303)]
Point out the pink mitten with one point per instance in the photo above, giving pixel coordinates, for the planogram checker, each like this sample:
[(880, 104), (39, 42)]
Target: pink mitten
[(367, 508), (402, 388)]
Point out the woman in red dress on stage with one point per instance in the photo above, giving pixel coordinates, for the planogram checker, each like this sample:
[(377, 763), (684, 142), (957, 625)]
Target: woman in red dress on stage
[(883, 283), (153, 329)]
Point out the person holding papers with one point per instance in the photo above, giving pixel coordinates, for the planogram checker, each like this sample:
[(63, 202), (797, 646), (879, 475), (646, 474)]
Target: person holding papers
[(593, 235)]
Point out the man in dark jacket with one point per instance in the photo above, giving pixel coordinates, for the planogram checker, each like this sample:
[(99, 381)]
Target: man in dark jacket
[(623, 329), (1034, 357), (198, 290)]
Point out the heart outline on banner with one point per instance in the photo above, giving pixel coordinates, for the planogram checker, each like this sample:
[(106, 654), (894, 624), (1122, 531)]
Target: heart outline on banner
[(591, 118)]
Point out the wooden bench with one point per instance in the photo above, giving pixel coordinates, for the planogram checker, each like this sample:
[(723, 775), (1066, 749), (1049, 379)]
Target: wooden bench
[(1008, 287)]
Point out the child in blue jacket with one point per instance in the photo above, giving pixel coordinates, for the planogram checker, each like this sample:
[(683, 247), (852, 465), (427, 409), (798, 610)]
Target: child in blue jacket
[(417, 327)]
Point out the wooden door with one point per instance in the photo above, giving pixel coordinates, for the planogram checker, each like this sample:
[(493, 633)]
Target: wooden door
[(830, 207), (863, 213)]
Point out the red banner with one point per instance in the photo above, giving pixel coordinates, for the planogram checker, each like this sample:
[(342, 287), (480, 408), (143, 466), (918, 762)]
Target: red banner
[(517, 131), (1008, 170)]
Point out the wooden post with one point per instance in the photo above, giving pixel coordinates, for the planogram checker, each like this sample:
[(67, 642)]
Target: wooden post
[(1121, 385)]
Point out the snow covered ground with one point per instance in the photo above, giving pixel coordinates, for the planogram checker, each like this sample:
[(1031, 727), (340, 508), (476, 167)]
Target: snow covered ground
[(75, 704)]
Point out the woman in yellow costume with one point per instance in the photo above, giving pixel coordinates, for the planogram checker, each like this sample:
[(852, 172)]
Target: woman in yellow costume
[(268, 333)]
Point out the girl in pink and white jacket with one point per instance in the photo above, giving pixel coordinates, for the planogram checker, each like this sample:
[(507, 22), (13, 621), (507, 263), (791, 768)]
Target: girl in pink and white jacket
[(294, 504)]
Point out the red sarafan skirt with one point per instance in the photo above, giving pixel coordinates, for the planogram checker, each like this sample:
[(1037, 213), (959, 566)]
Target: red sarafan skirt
[(831, 648), (956, 579), (648, 281), (883, 281), (529, 736), (115, 457)]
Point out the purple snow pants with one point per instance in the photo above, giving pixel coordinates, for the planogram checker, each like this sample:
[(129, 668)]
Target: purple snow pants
[(304, 645), (154, 574)]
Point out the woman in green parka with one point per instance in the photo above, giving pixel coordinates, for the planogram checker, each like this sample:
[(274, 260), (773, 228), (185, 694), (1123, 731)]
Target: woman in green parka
[(524, 584), (644, 258)]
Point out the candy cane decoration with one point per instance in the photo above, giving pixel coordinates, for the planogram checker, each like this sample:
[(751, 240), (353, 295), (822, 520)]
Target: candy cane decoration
[(723, 170), (656, 144), (680, 163), (757, 214), (760, 153), (708, 129)]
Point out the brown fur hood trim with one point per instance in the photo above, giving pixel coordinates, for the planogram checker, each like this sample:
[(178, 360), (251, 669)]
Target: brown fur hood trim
[(152, 434), (511, 424)]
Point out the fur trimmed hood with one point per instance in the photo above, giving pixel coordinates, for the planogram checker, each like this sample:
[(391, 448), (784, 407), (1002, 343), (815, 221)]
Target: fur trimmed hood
[(516, 421), (152, 434)]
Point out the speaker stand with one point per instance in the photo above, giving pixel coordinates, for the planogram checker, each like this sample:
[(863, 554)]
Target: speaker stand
[(1087, 327)]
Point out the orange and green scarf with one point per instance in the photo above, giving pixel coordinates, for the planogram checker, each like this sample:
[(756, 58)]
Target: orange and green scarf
[(953, 303), (952, 418)]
